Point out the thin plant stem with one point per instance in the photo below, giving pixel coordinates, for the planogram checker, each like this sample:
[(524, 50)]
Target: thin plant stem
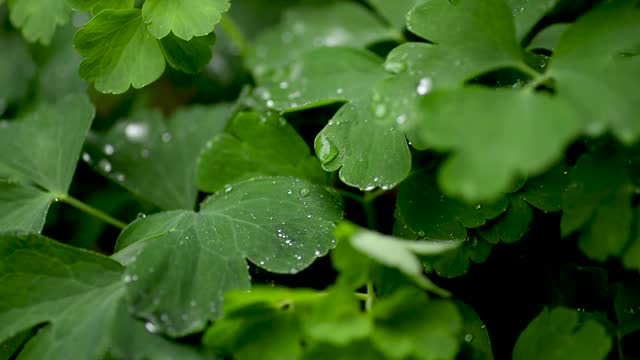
[(235, 35), (92, 211), (371, 296)]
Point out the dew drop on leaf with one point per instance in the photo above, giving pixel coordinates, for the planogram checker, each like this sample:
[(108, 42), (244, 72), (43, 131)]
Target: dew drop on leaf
[(86, 157), (468, 337), (166, 137), (150, 327), (395, 67), (304, 192), (136, 132), (105, 165), (108, 149), (228, 188), (424, 86), (325, 149)]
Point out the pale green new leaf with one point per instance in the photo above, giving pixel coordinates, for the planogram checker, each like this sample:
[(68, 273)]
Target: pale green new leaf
[(534, 127), (396, 253), (342, 24), (23, 207), (95, 6), (155, 157), (180, 263), (184, 18), (408, 325), (43, 147), (16, 69), (596, 65), (38, 19), (558, 334), (119, 52), (253, 145)]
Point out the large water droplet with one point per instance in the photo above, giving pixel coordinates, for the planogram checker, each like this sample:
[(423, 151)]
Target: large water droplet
[(395, 67), (105, 165), (304, 192), (136, 132), (424, 86), (468, 337), (150, 327), (108, 149), (86, 157), (380, 110), (325, 149)]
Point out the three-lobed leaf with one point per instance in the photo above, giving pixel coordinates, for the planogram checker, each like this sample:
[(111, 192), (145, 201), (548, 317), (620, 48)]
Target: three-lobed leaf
[(184, 18)]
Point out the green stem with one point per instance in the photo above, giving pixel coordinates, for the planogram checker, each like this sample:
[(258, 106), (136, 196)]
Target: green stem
[(371, 296), (235, 35), (92, 211), (350, 195), (537, 81)]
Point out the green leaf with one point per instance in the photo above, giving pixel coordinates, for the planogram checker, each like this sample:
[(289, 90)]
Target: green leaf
[(23, 207), (38, 19), (512, 225), (406, 324), (526, 14), (473, 46), (16, 68), (431, 214), (184, 18), (118, 51), (598, 201), (355, 350), (43, 148), (188, 56), (156, 158), (11, 346), (396, 12), (627, 308), (476, 345), (367, 152), (252, 146), (77, 296), (95, 6), (74, 291), (320, 77), (595, 66), (559, 334), (342, 24), (457, 262), (479, 168), (548, 38), (545, 191), (393, 252), (281, 224), (58, 67)]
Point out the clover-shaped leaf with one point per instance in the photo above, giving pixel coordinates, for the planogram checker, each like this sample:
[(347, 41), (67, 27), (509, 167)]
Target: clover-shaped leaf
[(119, 51), (184, 18), (38, 19), (279, 223)]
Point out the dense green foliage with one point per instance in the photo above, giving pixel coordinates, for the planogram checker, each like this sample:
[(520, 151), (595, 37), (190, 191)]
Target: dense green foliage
[(379, 179)]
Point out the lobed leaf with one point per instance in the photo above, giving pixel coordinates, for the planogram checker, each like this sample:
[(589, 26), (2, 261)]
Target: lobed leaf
[(184, 18), (38, 19)]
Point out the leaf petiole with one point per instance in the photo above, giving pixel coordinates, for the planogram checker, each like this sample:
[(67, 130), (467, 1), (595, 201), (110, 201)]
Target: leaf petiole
[(235, 35), (92, 211)]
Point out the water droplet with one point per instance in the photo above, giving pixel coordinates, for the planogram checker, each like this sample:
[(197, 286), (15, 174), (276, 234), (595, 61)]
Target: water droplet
[(150, 327), (304, 192), (468, 337), (127, 278), (401, 119), (120, 177), (105, 165), (317, 252), (228, 188), (289, 192), (108, 149), (136, 132), (270, 103), (380, 110), (325, 149), (424, 86), (284, 85), (86, 157), (339, 91), (309, 216), (141, 215), (166, 137), (479, 206), (421, 233), (395, 67)]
